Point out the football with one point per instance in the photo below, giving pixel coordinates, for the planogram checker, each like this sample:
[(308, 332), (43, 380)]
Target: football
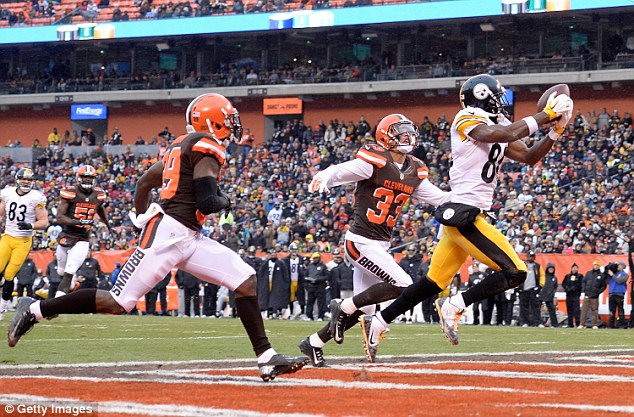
[(559, 89)]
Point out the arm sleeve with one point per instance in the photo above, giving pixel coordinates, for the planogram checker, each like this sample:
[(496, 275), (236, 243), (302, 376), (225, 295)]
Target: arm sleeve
[(347, 172), (41, 201), (431, 194)]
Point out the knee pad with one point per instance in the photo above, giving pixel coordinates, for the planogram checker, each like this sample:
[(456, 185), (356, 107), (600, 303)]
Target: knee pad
[(514, 277)]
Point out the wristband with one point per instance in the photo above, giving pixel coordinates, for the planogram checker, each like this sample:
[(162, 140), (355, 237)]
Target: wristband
[(531, 123), (553, 135)]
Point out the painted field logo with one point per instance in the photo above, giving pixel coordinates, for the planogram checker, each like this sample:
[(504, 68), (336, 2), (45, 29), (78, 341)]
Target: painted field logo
[(127, 270)]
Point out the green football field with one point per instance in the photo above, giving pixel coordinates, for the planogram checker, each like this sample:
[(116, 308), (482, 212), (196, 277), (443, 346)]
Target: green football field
[(98, 338)]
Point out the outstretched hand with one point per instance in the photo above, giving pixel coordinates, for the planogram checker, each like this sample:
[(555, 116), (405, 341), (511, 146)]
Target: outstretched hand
[(318, 184)]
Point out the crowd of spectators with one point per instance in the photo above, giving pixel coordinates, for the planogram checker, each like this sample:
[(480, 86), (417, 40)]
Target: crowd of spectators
[(58, 78), (147, 9), (28, 12), (579, 200)]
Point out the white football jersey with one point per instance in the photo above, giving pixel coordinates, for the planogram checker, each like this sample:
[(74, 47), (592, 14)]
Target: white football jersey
[(475, 165), (20, 208)]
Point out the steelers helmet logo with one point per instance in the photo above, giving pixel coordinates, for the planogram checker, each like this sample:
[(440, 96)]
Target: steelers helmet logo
[(448, 214), (481, 91)]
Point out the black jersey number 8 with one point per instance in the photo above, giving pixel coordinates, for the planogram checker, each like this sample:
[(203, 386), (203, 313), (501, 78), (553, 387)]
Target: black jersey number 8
[(14, 214), (492, 166)]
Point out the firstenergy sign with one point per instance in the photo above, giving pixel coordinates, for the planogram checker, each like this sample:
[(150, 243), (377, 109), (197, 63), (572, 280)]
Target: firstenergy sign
[(88, 112)]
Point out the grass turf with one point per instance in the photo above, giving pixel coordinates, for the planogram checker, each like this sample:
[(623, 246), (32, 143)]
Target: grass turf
[(98, 338)]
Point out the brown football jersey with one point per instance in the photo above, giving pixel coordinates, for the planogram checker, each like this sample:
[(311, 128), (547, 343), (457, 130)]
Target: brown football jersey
[(177, 194), (379, 199), (81, 206)]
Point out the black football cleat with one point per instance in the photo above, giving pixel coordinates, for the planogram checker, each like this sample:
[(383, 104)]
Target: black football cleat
[(315, 354), (281, 364), (22, 322), (338, 319)]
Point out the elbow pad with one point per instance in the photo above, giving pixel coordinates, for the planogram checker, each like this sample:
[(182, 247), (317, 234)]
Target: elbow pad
[(208, 197)]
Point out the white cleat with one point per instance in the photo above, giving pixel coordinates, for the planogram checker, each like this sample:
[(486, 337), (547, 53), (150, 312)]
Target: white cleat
[(449, 319)]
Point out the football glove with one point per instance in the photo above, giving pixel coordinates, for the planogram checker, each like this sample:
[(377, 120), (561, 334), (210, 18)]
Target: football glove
[(86, 222), (25, 226), (557, 105), (222, 194), (319, 184), (561, 124)]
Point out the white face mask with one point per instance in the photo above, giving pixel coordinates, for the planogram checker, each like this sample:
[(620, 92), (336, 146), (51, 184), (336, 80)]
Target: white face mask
[(405, 148)]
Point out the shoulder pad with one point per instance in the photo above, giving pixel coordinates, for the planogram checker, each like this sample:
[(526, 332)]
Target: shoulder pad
[(469, 118), (421, 168), (373, 154), (68, 193), (209, 146), (40, 199)]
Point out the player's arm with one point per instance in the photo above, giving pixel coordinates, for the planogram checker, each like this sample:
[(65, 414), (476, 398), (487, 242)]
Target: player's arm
[(41, 218), (509, 133), (63, 218), (518, 151), (344, 173), (558, 107), (3, 213), (101, 211), (209, 198), (430, 194), (151, 179)]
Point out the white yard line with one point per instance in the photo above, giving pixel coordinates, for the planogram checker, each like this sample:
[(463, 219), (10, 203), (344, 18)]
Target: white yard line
[(576, 355), (605, 362), (168, 377), (560, 377), (115, 339), (581, 407)]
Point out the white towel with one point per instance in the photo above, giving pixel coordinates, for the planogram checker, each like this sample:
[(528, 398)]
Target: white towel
[(142, 219)]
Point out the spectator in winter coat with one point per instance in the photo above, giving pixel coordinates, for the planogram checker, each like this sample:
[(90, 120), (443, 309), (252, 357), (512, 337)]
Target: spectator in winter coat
[(274, 285), (594, 283), (340, 277), (547, 294), (26, 278), (191, 286), (617, 288), (316, 280), (53, 277), (572, 285)]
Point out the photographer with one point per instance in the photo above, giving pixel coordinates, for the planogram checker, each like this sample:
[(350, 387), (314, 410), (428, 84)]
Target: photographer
[(618, 287), (547, 294), (530, 303), (594, 283)]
